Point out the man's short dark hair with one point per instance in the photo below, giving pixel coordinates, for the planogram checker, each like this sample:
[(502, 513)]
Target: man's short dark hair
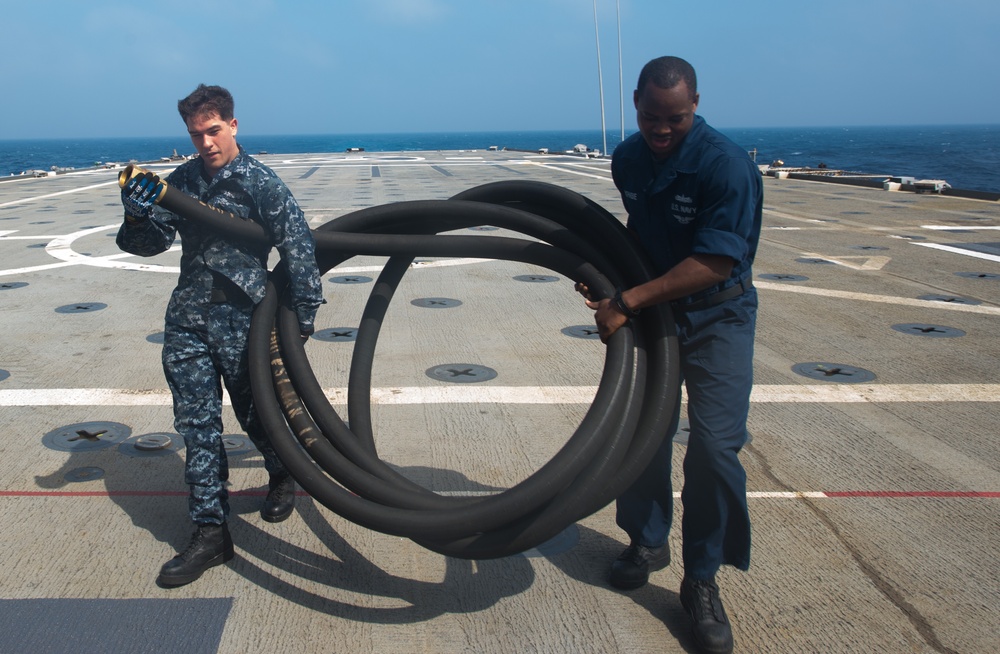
[(668, 72), (207, 100)]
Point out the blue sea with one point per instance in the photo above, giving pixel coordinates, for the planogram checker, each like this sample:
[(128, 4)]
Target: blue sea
[(967, 156)]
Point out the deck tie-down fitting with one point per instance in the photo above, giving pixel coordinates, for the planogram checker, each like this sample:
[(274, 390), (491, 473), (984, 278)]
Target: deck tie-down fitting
[(829, 372), (336, 461), (465, 371), (89, 436), (834, 372)]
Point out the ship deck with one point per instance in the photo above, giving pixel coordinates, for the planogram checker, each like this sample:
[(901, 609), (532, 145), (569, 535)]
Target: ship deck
[(873, 470)]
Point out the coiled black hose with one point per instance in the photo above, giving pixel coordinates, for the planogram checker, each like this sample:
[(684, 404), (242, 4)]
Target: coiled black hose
[(340, 467), (184, 205)]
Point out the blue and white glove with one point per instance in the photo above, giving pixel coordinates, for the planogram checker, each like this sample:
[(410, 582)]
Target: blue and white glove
[(140, 194)]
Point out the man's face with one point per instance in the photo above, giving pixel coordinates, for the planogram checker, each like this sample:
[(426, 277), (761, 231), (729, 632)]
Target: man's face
[(215, 140), (665, 116)]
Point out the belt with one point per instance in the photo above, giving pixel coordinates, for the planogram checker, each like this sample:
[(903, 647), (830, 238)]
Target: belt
[(719, 297), (232, 296), (225, 291)]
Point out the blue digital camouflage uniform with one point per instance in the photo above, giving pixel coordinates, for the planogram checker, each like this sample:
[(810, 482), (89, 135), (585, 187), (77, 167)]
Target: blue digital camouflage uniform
[(208, 317), (705, 198)]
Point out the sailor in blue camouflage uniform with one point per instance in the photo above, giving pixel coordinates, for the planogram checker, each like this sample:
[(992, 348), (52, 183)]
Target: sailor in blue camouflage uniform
[(694, 200), (208, 316)]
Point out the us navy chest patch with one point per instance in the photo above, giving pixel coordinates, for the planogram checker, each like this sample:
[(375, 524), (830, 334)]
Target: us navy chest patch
[(683, 209)]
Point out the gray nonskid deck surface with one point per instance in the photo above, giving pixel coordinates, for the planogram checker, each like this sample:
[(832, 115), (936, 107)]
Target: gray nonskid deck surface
[(876, 505)]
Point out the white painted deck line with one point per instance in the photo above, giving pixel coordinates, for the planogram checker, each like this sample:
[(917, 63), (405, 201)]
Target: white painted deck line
[(467, 394)]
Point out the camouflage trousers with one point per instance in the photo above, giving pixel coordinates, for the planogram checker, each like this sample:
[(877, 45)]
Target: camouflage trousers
[(196, 361)]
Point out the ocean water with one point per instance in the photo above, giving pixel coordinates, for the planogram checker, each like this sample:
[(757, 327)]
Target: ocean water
[(967, 156)]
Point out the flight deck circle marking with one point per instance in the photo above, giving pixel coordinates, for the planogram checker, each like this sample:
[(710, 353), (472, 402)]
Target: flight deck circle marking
[(61, 248)]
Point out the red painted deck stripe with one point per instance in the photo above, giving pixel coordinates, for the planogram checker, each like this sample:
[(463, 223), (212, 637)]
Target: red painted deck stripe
[(911, 494)]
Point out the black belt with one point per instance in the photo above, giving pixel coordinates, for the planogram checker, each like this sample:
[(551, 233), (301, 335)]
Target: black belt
[(233, 296), (735, 290), (226, 291)]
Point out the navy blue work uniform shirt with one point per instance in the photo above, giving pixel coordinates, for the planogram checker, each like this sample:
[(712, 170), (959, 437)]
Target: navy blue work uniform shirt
[(705, 198)]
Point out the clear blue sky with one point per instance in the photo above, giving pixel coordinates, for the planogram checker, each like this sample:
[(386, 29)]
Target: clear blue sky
[(117, 68)]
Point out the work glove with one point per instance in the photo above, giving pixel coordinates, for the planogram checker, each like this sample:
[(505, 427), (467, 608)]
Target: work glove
[(140, 194)]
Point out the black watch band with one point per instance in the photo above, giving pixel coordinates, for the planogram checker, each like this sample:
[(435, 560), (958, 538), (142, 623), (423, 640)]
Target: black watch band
[(624, 308)]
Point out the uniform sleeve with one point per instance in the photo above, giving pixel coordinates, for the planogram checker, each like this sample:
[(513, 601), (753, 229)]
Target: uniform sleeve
[(294, 242), (730, 193)]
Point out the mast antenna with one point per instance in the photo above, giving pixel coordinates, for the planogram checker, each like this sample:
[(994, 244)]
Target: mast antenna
[(600, 81)]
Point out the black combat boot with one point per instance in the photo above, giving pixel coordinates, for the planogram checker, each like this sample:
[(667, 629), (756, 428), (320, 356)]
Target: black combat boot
[(712, 632), (632, 567), (210, 545), (280, 498)]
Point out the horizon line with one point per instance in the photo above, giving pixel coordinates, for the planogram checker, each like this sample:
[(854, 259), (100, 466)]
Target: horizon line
[(502, 131)]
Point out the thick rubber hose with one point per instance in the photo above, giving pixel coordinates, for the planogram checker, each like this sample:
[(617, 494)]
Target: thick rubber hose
[(212, 217), (339, 466)]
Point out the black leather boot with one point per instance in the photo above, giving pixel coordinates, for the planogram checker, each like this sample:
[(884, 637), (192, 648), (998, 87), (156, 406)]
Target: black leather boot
[(280, 498), (632, 567), (712, 632), (210, 545)]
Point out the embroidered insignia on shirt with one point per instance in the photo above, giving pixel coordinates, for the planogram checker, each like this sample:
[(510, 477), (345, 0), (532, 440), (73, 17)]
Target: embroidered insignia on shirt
[(683, 209)]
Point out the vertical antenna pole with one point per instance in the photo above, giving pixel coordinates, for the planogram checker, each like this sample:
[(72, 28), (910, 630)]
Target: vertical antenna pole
[(600, 82), (621, 83)]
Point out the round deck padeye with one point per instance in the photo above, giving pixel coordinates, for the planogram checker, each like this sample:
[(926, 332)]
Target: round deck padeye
[(834, 372), (86, 436)]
